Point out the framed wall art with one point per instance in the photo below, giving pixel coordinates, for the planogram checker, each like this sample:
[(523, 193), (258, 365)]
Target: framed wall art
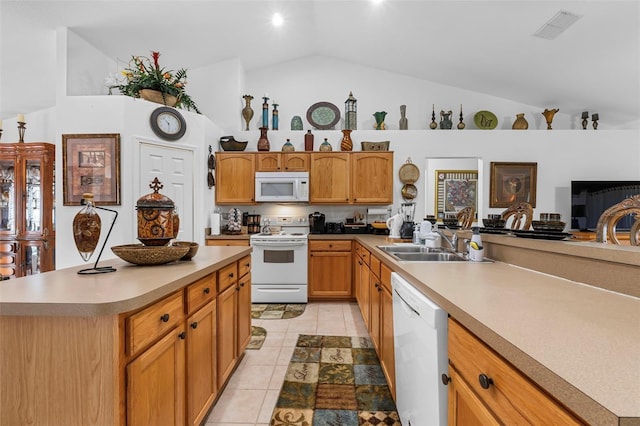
[(455, 190), (91, 163), (512, 183)]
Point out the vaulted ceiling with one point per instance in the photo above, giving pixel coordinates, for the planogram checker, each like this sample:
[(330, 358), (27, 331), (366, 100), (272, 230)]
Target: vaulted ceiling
[(484, 46)]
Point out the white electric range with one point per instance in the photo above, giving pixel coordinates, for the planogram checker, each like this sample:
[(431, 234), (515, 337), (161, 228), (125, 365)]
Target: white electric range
[(279, 261)]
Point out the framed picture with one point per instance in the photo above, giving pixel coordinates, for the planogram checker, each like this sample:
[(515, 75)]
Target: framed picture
[(512, 183), (91, 163), (455, 190)]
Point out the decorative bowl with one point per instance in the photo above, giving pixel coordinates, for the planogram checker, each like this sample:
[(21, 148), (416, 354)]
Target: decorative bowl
[(375, 146), (139, 254), (193, 248), (228, 143), (493, 223), (550, 225)]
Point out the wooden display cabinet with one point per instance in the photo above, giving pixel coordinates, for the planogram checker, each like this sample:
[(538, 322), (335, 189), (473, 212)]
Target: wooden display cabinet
[(27, 233)]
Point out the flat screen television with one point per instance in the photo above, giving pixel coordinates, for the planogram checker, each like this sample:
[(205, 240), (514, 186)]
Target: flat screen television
[(590, 198)]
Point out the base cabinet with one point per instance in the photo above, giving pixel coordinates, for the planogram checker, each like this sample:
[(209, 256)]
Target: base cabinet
[(330, 270), (485, 389)]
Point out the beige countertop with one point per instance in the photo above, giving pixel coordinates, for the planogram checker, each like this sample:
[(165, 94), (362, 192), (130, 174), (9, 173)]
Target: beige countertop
[(580, 343), (65, 293)]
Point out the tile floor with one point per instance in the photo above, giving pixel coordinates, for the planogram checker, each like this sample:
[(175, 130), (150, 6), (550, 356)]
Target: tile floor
[(252, 391)]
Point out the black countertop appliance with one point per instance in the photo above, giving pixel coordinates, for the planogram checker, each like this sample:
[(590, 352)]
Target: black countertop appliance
[(316, 223), (334, 228)]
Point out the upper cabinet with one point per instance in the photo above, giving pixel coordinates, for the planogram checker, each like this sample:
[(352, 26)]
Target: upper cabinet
[(363, 177), (27, 234)]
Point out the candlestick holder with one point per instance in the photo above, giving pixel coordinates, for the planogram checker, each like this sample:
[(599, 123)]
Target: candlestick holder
[(265, 112), (461, 125), (274, 117), (22, 126), (585, 119), (595, 117), (433, 124)]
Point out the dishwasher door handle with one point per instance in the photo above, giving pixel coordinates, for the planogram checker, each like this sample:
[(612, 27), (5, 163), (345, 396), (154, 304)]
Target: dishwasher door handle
[(405, 302)]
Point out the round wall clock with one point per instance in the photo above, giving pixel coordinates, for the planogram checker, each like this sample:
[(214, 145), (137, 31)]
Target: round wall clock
[(323, 115), (168, 123)]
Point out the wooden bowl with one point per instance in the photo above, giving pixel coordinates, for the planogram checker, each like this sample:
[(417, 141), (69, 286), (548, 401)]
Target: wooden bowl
[(139, 254), (228, 143), (193, 248)]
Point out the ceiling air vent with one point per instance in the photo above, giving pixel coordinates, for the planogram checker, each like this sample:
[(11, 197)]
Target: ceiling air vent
[(556, 25)]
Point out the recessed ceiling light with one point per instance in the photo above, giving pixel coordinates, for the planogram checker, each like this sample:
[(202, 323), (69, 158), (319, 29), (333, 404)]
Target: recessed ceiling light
[(557, 25), (277, 20)]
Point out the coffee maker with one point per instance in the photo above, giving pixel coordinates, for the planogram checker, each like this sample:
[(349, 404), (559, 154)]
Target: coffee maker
[(316, 223), (407, 211)]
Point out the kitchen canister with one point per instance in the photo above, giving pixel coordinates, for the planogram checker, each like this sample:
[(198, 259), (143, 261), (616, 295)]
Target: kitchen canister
[(215, 223)]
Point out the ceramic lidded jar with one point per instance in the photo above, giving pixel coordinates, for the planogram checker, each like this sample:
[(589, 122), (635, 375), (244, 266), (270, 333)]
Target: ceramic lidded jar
[(155, 217)]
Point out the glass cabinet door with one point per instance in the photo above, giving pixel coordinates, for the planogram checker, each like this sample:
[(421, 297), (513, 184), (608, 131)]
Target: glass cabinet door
[(33, 196), (8, 196)]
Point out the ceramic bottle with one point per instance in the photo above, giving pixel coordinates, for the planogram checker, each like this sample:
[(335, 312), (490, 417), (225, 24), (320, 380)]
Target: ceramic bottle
[(308, 141), (520, 123)]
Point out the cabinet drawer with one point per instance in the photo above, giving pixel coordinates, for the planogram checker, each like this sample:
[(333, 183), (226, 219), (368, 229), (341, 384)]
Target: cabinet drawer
[(201, 292), (513, 397), (244, 266), (374, 265), (227, 276), (146, 326), (332, 245), (237, 242)]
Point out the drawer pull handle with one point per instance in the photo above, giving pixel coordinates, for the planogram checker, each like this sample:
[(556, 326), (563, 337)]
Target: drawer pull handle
[(207, 290), (241, 284), (247, 264), (231, 275), (164, 318), (485, 381), (194, 325), (182, 335), (445, 379)]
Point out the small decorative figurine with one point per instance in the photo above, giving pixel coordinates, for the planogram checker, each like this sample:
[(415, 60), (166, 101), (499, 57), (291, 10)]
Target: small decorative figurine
[(548, 115), (247, 111), (595, 117), (404, 123), (379, 116), (350, 113), (461, 125), (585, 119), (433, 124), (445, 119)]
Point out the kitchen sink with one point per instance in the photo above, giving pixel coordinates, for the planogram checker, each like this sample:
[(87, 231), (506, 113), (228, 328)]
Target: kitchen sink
[(408, 248), (430, 257)]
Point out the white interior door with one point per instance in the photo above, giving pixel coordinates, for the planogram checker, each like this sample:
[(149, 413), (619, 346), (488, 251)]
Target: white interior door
[(173, 166)]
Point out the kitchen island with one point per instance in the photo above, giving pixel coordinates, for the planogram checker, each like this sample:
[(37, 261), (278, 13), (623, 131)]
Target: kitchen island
[(579, 343), (81, 349)]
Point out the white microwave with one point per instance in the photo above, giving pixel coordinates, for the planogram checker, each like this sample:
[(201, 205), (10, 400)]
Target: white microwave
[(282, 187)]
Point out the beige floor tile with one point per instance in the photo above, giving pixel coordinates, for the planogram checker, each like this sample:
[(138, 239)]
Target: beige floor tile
[(275, 325), (277, 378), (269, 403), (286, 352), (238, 406), (251, 377), (267, 355), (274, 339)]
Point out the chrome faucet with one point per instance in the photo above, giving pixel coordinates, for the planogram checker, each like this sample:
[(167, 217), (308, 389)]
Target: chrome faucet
[(453, 241)]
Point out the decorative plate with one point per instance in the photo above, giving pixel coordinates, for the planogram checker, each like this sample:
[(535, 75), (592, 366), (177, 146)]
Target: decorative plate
[(323, 115), (409, 191), (485, 120), (409, 172)]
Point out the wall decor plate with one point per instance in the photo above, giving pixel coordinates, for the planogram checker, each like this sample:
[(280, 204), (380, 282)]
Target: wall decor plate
[(323, 115), (409, 191), (485, 120), (409, 172)]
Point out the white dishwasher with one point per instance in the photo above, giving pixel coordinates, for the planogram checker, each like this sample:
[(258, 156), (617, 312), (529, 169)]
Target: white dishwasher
[(420, 342)]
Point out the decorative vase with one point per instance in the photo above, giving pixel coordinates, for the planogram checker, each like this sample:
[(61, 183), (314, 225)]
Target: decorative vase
[(445, 120), (404, 123), (379, 116), (548, 115), (158, 97), (265, 111), (288, 146), (325, 146), (86, 228), (156, 223), (274, 117), (346, 144), (247, 111), (308, 141), (520, 123), (263, 142)]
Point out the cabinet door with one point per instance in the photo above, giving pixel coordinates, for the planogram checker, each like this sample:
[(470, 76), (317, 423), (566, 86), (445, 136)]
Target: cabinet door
[(465, 409), (387, 351), (8, 194), (227, 326), (244, 312), (202, 385), (235, 178), (330, 275), (9, 259), (374, 312), (269, 162), (155, 383), (372, 177), (365, 291), (296, 162), (329, 178)]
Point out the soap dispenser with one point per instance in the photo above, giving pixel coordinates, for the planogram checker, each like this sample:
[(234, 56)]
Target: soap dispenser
[(475, 237)]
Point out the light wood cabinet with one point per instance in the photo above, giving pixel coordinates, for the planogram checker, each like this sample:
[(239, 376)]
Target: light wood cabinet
[(229, 242), (361, 281), (387, 350), (372, 177), (282, 162), (485, 389), (329, 178), (235, 178), (244, 312), (27, 232), (330, 263)]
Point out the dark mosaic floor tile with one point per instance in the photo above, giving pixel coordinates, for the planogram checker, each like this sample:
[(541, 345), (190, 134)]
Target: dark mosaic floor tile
[(308, 341), (306, 355), (364, 356), (341, 374), (336, 397), (297, 395), (335, 418), (378, 418), (361, 342), (374, 398), (336, 355), (302, 372), (275, 307), (336, 342), (291, 417), (369, 375)]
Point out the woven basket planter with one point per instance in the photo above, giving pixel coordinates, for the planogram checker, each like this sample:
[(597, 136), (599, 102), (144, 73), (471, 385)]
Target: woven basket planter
[(157, 97)]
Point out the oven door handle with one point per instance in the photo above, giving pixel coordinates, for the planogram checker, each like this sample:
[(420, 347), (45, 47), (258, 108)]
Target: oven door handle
[(278, 243)]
